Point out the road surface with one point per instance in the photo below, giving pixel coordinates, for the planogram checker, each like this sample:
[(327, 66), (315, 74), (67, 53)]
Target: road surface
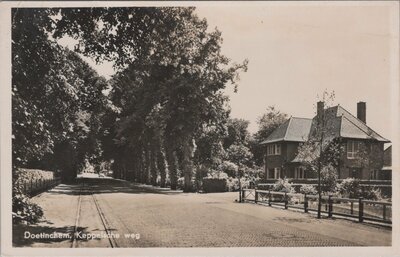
[(102, 212)]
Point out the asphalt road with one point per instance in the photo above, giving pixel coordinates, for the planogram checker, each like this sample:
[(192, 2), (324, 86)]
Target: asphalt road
[(110, 213)]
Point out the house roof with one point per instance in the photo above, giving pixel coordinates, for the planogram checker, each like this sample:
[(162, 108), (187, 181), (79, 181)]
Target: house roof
[(340, 122), (294, 129)]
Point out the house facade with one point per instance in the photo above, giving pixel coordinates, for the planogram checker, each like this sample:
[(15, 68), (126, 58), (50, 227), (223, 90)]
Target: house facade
[(361, 152)]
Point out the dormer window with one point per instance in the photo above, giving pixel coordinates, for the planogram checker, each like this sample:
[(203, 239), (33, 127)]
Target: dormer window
[(353, 147), (274, 149)]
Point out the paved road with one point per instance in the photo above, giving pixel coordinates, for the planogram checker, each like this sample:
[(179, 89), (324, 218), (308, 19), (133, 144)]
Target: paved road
[(144, 216)]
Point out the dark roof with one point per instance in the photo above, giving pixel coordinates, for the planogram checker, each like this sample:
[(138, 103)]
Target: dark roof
[(340, 122), (294, 129)]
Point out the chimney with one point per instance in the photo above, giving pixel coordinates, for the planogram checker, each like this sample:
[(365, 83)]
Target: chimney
[(362, 111), (320, 111)]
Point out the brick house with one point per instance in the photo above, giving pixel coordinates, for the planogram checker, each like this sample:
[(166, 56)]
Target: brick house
[(281, 157)]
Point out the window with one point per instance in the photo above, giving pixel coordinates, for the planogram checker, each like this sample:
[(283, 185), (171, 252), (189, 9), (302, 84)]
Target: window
[(274, 149), (352, 149), (299, 172), (277, 173), (374, 175)]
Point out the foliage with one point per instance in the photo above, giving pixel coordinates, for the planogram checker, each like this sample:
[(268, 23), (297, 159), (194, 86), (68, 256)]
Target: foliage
[(57, 97), (240, 155), (23, 210), (328, 179), (308, 189), (283, 185), (371, 193), (233, 183), (165, 109), (267, 123), (229, 168), (237, 133), (217, 174), (351, 188), (214, 185), (21, 176)]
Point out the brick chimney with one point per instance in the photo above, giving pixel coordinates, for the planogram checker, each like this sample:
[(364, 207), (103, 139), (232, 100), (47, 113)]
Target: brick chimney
[(320, 111), (362, 111)]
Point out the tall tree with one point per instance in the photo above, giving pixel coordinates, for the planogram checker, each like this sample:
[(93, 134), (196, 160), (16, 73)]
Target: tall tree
[(267, 123)]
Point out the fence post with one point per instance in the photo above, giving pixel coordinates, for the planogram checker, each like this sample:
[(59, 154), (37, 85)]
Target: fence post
[(286, 201), (384, 211), (360, 210), (305, 203), (30, 190), (352, 208), (255, 196), (330, 206), (243, 196), (269, 197)]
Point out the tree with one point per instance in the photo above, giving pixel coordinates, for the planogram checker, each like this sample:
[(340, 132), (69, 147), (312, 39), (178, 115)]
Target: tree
[(164, 57), (267, 123), (57, 98), (237, 132), (321, 151)]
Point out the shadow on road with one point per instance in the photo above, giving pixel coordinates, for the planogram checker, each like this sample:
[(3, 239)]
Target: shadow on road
[(107, 185)]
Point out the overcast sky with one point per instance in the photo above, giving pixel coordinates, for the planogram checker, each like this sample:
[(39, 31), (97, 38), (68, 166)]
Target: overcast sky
[(296, 52)]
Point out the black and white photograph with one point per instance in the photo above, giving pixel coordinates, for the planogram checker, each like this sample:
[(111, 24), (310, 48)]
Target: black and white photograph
[(265, 126)]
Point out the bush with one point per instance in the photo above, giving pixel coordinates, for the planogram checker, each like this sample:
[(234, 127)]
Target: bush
[(232, 184), (283, 185), (350, 187), (308, 189), (181, 183), (211, 185), (329, 179), (229, 168), (371, 193), (26, 175), (22, 208), (217, 174)]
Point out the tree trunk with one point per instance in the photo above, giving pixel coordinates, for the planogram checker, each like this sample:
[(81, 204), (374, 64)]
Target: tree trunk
[(153, 165), (172, 165), (187, 164), (161, 163)]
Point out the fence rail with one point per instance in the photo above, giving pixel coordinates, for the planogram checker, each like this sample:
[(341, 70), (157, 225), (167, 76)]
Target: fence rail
[(35, 186), (360, 208)]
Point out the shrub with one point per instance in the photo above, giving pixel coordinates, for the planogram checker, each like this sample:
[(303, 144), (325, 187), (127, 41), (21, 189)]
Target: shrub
[(371, 193), (229, 168), (283, 185), (232, 184), (217, 174), (180, 183), (26, 175), (308, 189), (22, 207), (329, 179), (211, 185), (350, 187)]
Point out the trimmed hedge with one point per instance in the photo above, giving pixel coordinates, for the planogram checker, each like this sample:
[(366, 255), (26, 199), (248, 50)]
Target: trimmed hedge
[(25, 175), (212, 185)]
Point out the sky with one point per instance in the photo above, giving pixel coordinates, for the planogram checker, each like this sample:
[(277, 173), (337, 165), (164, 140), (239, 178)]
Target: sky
[(296, 52)]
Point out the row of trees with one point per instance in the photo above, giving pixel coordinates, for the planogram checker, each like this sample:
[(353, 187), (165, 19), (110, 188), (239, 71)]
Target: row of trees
[(162, 116)]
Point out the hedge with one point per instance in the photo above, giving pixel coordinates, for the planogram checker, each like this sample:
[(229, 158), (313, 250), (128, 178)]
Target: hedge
[(211, 185)]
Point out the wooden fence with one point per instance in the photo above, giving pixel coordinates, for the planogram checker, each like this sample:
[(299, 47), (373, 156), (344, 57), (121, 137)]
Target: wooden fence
[(36, 186), (361, 209)]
